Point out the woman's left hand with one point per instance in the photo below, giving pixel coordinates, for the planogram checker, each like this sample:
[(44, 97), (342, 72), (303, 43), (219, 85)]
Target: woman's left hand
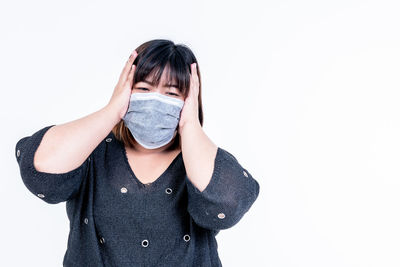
[(190, 110)]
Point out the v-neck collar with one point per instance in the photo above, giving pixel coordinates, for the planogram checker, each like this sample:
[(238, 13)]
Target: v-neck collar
[(155, 182)]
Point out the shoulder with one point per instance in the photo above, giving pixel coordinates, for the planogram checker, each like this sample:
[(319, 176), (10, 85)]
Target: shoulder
[(107, 144)]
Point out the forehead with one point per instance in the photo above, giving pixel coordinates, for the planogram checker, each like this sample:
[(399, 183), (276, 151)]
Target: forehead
[(165, 78), (167, 75)]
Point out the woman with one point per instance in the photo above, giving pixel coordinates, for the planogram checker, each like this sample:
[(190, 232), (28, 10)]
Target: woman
[(143, 184)]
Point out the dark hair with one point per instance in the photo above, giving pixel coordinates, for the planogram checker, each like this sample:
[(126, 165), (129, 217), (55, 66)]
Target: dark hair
[(153, 57)]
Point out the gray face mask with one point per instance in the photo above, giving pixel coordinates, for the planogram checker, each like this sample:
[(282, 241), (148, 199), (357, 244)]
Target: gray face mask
[(152, 118)]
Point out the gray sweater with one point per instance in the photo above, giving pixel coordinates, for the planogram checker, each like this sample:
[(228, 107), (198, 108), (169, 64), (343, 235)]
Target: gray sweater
[(116, 220)]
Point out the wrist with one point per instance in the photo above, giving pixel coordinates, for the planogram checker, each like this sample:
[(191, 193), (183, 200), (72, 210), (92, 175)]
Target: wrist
[(112, 113), (189, 125)]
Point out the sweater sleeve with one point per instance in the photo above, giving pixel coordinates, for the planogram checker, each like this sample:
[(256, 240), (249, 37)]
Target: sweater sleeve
[(229, 195), (50, 187)]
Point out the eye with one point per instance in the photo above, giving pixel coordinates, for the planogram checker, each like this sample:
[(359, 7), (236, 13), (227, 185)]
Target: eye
[(173, 94), (142, 88)]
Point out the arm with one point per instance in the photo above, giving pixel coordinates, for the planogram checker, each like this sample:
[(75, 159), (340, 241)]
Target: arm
[(54, 160), (66, 146), (220, 190)]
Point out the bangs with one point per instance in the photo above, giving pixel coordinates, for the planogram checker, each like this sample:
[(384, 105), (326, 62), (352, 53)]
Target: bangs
[(151, 65)]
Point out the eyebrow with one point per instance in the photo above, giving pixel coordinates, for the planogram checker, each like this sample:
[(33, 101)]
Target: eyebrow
[(165, 85)]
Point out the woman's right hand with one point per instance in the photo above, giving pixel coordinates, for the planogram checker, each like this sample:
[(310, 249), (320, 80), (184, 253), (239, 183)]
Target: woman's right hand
[(122, 92)]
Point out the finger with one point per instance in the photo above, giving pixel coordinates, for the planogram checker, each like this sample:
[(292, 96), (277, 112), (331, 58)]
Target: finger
[(194, 73), (194, 70), (127, 67), (192, 79), (130, 76)]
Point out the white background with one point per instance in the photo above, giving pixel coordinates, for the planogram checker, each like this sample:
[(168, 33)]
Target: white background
[(305, 94)]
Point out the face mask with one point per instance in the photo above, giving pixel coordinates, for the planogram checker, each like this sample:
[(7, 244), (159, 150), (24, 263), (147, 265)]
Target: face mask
[(152, 118)]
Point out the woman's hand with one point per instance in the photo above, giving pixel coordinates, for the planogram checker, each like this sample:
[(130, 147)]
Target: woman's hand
[(122, 92), (190, 110)]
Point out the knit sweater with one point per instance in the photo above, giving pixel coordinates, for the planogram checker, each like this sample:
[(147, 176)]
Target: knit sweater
[(116, 220)]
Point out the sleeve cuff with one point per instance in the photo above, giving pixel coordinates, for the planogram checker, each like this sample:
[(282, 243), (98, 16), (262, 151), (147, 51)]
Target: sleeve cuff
[(50, 187), (228, 196)]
